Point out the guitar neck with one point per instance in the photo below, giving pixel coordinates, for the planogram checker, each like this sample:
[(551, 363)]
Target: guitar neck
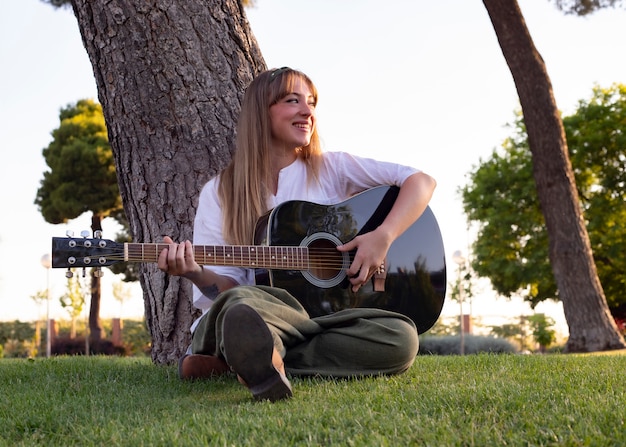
[(250, 256)]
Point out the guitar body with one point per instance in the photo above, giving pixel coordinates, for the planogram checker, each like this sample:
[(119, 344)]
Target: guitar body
[(415, 268)]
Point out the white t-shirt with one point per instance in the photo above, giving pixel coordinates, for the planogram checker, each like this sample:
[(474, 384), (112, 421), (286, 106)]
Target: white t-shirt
[(341, 176)]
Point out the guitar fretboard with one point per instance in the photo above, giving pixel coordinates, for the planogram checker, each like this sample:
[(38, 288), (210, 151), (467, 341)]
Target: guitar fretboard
[(251, 256)]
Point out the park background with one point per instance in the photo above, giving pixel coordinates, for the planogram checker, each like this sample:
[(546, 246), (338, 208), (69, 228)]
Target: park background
[(421, 83)]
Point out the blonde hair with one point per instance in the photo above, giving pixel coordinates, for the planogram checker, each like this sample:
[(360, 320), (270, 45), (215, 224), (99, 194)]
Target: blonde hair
[(245, 183)]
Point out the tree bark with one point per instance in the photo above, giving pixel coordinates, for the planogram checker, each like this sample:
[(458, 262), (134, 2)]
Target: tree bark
[(170, 77), (590, 323)]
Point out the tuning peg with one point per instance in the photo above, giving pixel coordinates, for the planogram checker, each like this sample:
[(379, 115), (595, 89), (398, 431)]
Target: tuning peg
[(69, 274), (84, 233), (69, 233), (97, 234), (98, 273), (84, 272)]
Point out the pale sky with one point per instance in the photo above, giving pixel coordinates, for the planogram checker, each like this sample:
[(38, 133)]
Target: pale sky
[(421, 83)]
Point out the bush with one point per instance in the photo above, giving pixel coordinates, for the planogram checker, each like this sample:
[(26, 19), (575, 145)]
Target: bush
[(473, 344), (76, 346), (14, 348)]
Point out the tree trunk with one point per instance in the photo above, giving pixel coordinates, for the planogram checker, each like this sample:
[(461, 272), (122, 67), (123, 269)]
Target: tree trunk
[(170, 77), (95, 325), (590, 323)]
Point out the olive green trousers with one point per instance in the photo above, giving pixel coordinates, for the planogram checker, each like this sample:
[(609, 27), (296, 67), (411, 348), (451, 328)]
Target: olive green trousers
[(348, 343)]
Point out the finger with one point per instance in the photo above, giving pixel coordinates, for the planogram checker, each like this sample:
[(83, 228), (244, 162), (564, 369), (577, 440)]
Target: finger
[(189, 255), (162, 260), (347, 246)]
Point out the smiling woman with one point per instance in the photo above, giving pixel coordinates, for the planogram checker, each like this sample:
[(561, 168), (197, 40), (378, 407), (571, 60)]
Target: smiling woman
[(262, 332)]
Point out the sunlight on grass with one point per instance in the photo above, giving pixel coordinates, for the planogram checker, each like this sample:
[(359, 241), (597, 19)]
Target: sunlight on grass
[(453, 400)]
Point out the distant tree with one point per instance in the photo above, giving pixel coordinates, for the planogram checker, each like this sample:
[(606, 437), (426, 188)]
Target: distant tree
[(73, 301), (516, 332), (591, 326), (543, 334), (40, 297), (121, 293), (81, 178), (511, 247)]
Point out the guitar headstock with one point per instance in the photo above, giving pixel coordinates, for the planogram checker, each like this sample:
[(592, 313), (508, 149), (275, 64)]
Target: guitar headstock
[(81, 252)]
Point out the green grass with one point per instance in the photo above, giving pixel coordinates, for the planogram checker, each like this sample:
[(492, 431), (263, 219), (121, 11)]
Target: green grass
[(481, 400)]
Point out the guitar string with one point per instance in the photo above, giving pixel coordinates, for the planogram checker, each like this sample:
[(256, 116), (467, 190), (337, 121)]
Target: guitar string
[(318, 257)]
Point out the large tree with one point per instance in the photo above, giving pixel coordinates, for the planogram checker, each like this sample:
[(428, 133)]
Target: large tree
[(81, 179), (591, 326), (170, 77), (511, 247)]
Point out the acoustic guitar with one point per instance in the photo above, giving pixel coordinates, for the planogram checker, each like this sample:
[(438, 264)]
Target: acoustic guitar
[(295, 249)]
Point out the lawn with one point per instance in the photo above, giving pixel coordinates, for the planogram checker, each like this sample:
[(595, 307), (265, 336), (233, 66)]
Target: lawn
[(474, 400)]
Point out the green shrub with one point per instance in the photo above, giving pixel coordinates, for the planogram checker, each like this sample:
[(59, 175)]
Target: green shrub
[(473, 344)]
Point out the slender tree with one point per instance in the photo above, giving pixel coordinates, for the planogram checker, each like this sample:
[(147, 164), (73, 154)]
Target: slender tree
[(81, 179), (73, 301), (590, 323)]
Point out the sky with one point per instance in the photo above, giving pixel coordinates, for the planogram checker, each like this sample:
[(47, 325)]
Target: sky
[(420, 83)]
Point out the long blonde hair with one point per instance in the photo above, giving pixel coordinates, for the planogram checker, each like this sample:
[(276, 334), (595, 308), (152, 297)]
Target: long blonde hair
[(244, 184)]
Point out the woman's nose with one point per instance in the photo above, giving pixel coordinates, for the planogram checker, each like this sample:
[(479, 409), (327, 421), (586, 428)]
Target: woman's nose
[(307, 109)]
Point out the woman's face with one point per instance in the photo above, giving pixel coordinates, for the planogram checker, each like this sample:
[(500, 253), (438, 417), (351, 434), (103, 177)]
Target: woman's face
[(293, 118)]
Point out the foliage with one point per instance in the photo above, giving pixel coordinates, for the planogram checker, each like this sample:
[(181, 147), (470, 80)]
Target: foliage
[(40, 297), (472, 344), (511, 248), (68, 3), (20, 339), (543, 333), (82, 170), (17, 339), (73, 301), (539, 325), (78, 345), (16, 330), (585, 7), (136, 338), (477, 400)]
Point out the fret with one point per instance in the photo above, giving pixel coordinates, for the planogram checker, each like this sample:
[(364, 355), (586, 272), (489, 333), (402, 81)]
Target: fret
[(210, 257), (283, 258), (234, 253), (252, 252)]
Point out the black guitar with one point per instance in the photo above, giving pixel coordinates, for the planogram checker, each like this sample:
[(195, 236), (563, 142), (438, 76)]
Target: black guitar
[(295, 250)]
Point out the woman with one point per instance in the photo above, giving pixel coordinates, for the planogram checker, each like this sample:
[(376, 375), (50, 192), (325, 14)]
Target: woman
[(262, 332)]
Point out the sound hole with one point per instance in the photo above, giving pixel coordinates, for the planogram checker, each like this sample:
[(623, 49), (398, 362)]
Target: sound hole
[(327, 266), (325, 260)]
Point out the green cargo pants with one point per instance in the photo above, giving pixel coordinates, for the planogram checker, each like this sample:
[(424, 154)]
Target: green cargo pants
[(351, 342)]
